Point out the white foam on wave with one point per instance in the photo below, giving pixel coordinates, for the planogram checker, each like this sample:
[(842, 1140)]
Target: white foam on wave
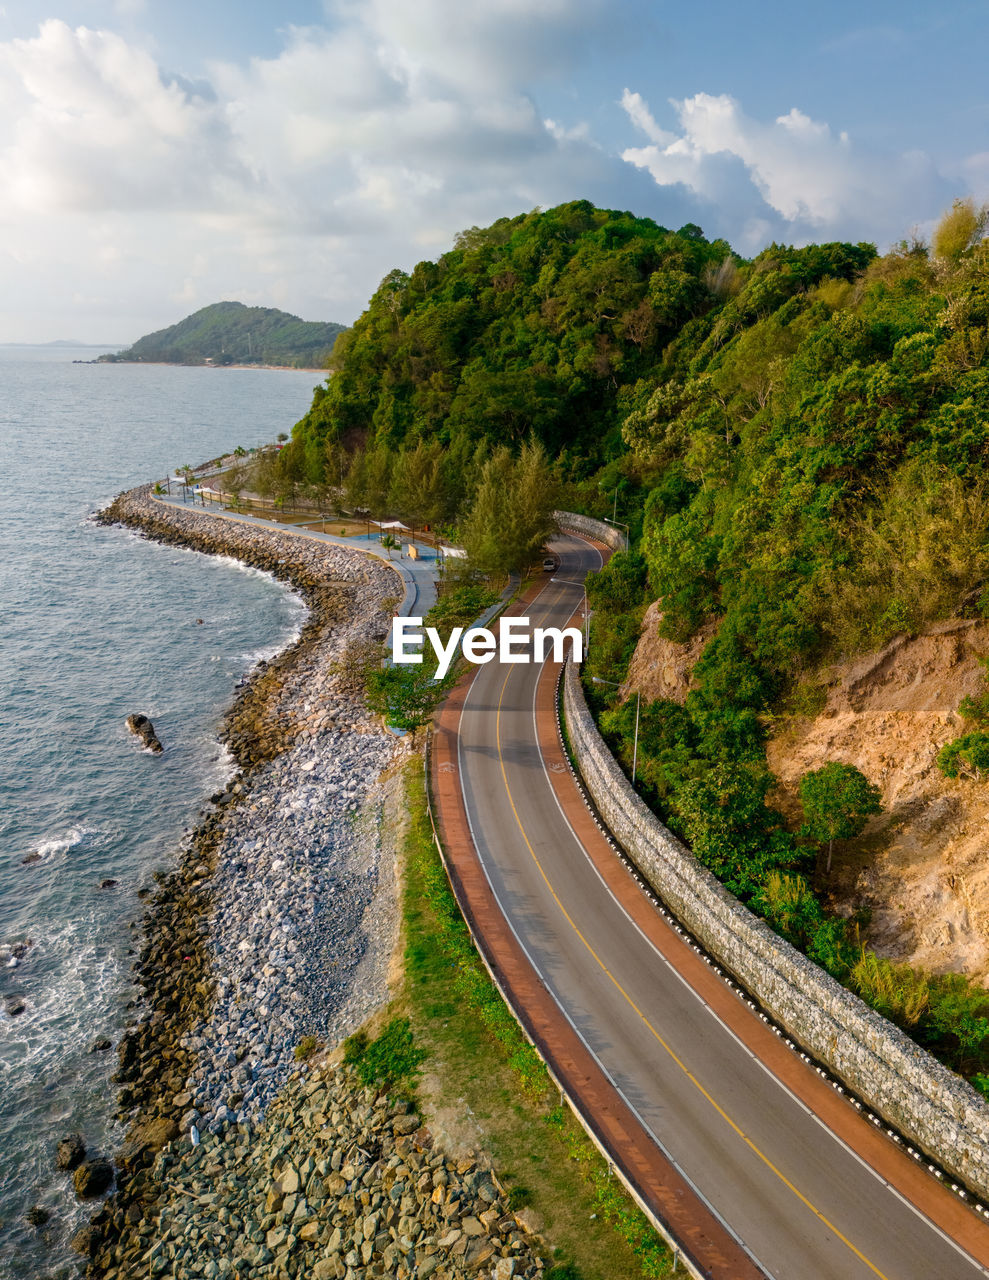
[(80, 992), (63, 843), (294, 629), (221, 767), (251, 570), (254, 656)]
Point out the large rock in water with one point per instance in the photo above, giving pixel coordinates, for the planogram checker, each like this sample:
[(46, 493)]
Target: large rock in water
[(145, 730), (92, 1178), (70, 1152)]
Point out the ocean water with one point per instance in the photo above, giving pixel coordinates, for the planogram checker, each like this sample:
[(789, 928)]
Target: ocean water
[(95, 624)]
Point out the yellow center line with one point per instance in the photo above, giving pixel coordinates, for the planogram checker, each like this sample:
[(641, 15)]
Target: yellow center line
[(659, 1038)]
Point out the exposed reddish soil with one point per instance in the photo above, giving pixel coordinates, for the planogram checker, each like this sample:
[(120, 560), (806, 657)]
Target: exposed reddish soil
[(922, 866)]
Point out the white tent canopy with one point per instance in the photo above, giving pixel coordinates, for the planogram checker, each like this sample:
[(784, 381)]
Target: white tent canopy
[(390, 524)]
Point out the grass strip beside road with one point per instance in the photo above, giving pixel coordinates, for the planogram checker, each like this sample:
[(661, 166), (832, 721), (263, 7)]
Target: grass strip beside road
[(482, 1070)]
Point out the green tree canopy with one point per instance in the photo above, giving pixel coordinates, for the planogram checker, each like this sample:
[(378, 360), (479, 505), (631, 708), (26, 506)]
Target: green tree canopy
[(406, 694), (229, 332), (838, 800), (512, 512), (527, 327)]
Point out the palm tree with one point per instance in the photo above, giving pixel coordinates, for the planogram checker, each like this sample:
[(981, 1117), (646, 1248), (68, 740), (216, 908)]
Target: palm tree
[(390, 542)]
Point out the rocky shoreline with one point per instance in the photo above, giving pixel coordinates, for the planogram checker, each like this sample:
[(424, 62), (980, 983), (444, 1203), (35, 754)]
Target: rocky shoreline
[(341, 1181), (279, 921), (274, 934)]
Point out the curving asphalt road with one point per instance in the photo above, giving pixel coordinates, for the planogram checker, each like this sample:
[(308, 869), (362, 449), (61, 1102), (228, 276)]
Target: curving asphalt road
[(803, 1204)]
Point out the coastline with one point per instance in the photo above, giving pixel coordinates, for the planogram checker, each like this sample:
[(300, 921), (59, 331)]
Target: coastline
[(181, 364), (236, 934)]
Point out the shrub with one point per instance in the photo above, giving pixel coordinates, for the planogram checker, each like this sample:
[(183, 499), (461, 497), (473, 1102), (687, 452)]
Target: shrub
[(723, 816), (957, 1023), (564, 1271), (947, 1013), (966, 756), (518, 1198), (897, 991), (788, 904), (306, 1047), (459, 608)]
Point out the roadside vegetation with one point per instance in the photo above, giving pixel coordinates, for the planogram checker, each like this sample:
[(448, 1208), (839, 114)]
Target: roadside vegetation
[(406, 695), (798, 446), (820, 488)]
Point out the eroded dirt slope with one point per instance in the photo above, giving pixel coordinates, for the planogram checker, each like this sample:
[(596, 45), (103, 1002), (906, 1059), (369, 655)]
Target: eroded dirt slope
[(661, 668), (922, 867)]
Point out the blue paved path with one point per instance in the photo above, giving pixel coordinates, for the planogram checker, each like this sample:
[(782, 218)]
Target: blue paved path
[(418, 576)]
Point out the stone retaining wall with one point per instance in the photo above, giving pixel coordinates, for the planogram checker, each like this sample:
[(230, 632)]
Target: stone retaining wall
[(930, 1105), (606, 533)]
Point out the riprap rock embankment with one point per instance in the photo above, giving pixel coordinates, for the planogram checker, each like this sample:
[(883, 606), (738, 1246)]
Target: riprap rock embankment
[(340, 1182), (279, 921)]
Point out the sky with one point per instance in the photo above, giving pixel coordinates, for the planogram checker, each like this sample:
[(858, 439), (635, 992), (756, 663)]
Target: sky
[(160, 155)]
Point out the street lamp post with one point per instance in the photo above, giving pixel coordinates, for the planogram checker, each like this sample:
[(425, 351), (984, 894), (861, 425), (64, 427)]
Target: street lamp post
[(586, 611), (635, 741), (621, 525)]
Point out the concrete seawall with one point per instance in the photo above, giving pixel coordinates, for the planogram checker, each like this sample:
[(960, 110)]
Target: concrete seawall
[(934, 1108)]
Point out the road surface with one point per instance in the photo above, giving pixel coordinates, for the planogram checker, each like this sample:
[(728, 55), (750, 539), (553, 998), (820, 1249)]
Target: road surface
[(800, 1200)]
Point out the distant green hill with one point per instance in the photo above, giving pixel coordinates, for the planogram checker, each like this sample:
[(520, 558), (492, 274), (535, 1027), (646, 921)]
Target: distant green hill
[(230, 333)]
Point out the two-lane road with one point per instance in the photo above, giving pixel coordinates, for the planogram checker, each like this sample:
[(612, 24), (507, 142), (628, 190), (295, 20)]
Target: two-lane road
[(802, 1203)]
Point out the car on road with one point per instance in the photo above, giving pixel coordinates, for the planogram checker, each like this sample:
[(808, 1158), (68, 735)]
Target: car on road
[(549, 564)]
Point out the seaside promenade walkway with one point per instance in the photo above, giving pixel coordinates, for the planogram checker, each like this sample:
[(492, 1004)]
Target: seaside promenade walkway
[(418, 576)]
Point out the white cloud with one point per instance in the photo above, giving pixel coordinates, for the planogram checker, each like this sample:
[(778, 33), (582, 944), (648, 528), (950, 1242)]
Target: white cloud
[(354, 148), (810, 180), (477, 50), (977, 173), (300, 179), (92, 125), (640, 115)]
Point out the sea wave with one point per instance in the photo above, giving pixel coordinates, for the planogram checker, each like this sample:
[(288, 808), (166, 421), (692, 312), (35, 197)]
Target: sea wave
[(71, 989), (254, 656), (54, 845)]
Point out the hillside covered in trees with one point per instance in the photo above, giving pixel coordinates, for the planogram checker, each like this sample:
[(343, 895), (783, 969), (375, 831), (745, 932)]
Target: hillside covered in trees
[(230, 333), (799, 445), (538, 325)]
